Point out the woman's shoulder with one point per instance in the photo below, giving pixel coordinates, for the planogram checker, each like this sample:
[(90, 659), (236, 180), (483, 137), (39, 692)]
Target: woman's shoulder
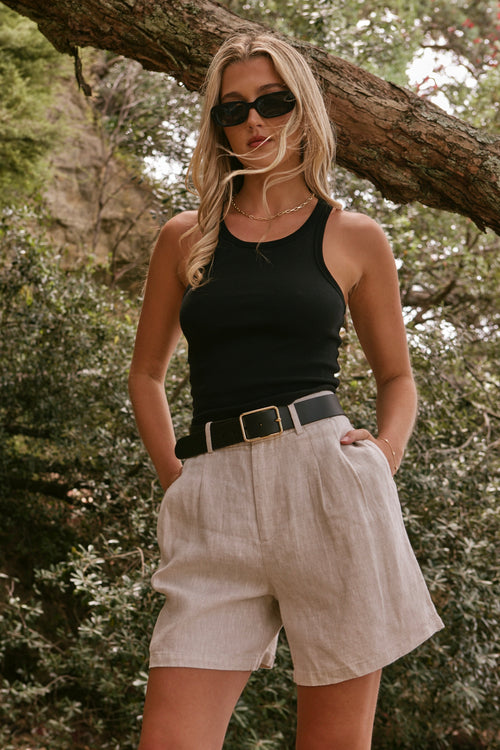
[(178, 234), (358, 232), (356, 248), (356, 222), (174, 243), (174, 228)]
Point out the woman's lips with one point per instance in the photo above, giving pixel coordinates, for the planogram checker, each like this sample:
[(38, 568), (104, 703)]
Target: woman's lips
[(254, 142)]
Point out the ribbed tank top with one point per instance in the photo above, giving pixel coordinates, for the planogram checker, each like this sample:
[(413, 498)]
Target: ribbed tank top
[(265, 329)]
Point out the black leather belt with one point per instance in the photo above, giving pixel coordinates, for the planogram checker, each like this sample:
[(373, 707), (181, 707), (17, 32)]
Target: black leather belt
[(257, 425)]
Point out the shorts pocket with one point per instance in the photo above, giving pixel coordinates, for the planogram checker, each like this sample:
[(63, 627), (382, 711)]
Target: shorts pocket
[(380, 453), (173, 506)]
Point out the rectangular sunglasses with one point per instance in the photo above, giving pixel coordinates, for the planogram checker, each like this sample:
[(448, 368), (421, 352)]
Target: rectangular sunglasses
[(268, 105)]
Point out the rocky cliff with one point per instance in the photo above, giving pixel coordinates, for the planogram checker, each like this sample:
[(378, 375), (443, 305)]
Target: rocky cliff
[(100, 210)]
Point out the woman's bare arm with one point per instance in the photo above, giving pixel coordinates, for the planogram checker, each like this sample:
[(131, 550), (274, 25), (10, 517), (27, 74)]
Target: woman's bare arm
[(374, 302), (157, 335)]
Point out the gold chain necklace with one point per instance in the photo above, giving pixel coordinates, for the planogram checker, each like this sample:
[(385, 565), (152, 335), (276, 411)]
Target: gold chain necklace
[(275, 216)]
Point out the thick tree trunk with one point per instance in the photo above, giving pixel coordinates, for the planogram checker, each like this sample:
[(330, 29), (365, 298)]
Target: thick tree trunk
[(408, 148)]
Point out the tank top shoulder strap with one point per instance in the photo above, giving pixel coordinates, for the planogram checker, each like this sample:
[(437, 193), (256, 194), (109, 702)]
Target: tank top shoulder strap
[(318, 232), (322, 215)]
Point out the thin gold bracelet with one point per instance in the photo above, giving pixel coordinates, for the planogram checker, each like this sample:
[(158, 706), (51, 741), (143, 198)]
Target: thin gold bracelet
[(392, 451)]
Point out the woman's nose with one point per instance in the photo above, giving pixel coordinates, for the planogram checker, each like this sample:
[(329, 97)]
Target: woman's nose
[(253, 117)]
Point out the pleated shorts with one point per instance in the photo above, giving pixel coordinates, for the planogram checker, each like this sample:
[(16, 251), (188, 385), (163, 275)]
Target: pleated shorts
[(294, 531)]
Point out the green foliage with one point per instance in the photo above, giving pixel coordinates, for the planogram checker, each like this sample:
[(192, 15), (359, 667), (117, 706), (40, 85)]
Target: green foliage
[(28, 64), (78, 500), (385, 38), (448, 489), (445, 694), (369, 34), (78, 544)]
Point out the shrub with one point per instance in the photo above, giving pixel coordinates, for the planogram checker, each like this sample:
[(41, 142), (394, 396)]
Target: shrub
[(78, 498)]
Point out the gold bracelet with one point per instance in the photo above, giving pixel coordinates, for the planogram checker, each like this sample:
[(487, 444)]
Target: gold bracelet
[(392, 451)]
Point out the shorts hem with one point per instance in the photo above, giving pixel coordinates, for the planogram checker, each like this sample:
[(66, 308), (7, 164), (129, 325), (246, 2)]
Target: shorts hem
[(162, 659), (324, 677)]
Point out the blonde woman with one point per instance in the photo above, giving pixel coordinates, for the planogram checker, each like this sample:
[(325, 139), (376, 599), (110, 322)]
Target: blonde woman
[(277, 511)]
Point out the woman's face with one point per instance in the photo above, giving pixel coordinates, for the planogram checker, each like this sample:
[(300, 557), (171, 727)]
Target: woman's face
[(254, 141)]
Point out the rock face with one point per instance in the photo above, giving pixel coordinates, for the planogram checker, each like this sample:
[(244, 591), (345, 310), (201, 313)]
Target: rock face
[(99, 210)]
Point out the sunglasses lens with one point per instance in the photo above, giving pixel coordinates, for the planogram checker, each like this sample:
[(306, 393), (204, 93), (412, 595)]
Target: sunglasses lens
[(275, 104), (269, 105), (231, 113)]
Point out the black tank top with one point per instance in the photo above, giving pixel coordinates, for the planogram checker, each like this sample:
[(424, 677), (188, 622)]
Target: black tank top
[(265, 328)]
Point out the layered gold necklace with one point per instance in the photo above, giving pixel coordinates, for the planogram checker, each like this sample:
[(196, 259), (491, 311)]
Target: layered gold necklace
[(275, 216)]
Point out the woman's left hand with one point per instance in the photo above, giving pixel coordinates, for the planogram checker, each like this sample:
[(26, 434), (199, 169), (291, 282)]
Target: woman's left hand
[(354, 436)]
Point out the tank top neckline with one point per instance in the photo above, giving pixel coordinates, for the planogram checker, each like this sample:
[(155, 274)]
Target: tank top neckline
[(287, 238)]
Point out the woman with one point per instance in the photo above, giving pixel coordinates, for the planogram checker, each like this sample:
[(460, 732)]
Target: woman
[(282, 514)]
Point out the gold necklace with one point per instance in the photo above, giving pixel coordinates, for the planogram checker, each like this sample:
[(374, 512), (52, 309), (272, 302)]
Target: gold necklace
[(275, 216)]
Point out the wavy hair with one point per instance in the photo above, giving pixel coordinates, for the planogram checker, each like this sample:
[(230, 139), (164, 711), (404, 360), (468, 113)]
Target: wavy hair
[(215, 174)]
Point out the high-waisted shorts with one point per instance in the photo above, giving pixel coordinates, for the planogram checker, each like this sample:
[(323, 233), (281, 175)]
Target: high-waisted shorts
[(294, 531)]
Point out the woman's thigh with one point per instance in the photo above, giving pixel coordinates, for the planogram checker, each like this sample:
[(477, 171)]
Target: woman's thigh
[(338, 716), (187, 709)]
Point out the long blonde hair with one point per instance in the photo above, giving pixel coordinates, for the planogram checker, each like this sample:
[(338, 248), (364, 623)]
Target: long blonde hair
[(215, 173)]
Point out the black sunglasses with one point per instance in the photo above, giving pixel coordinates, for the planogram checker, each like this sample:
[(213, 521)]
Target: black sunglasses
[(268, 105)]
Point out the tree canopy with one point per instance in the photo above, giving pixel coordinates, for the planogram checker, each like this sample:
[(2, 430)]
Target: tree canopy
[(409, 148)]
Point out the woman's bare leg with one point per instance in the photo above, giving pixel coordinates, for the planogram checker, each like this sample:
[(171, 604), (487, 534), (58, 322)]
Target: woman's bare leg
[(189, 709), (337, 717)]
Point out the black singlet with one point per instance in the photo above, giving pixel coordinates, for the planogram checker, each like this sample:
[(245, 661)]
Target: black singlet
[(265, 329)]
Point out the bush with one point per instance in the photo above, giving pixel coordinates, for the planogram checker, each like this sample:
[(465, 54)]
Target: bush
[(78, 498)]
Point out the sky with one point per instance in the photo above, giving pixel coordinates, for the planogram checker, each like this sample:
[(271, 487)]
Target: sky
[(431, 69)]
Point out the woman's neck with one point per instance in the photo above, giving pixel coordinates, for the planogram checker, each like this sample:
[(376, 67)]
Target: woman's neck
[(280, 197)]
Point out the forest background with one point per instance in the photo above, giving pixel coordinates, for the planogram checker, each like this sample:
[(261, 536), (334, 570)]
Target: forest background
[(86, 182)]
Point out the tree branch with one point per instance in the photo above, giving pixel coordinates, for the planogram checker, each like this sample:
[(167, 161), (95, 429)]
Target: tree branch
[(409, 148)]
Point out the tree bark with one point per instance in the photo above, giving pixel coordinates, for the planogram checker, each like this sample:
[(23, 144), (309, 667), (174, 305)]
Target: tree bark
[(410, 149)]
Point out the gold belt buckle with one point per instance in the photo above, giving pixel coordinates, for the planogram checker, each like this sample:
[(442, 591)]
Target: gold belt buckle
[(262, 437)]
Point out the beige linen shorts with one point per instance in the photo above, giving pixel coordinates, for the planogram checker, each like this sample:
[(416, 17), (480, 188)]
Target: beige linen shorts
[(296, 531)]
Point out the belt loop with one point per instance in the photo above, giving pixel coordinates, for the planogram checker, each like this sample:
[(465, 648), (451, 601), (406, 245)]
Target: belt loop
[(295, 419), (208, 437)]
